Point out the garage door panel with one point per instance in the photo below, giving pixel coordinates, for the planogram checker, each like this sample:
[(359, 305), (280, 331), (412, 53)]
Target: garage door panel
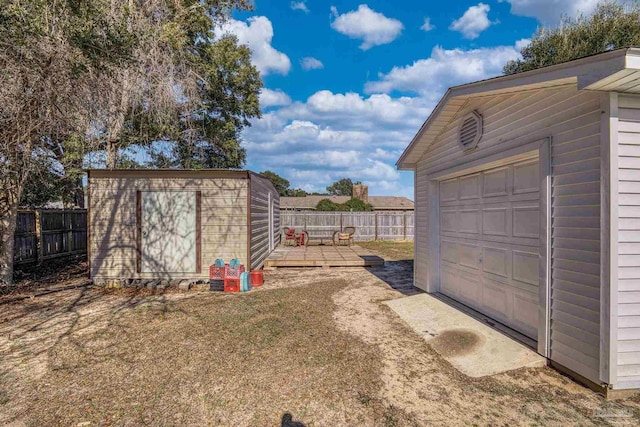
[(526, 221), (448, 220), (496, 183), (525, 309), (449, 190), (495, 301), (495, 221), (527, 243), (469, 256), (469, 287), (526, 267), (496, 261), (447, 281), (469, 221), (449, 251), (490, 243), (469, 187), (526, 178)]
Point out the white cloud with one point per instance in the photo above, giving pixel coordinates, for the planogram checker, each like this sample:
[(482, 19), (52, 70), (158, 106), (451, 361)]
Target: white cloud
[(549, 11), (474, 21), (372, 27), (257, 33), (335, 135), (310, 63), (522, 43), (273, 98), (430, 77), (427, 26), (300, 5), (351, 110)]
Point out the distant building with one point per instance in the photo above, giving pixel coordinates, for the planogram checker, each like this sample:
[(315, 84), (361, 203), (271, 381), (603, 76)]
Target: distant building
[(379, 203)]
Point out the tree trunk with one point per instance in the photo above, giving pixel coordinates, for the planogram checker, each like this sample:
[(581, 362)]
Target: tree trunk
[(79, 194), (112, 153), (7, 229)]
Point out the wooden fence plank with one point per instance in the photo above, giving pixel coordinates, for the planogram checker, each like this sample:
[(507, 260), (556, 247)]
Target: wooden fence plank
[(50, 233), (396, 225)]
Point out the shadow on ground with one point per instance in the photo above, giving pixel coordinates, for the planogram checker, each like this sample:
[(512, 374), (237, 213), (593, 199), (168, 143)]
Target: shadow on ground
[(288, 421), (398, 275)]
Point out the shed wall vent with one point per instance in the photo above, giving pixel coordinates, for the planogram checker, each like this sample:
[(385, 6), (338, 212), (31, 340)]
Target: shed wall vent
[(470, 131)]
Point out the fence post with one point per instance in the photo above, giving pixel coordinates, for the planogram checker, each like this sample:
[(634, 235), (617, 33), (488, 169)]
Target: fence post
[(375, 216), (39, 240), (341, 224), (305, 220), (404, 225), (69, 228)]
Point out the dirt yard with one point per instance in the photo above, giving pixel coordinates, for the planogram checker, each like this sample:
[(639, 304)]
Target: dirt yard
[(316, 344)]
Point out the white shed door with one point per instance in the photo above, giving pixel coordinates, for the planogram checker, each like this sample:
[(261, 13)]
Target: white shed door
[(168, 232), (489, 243)]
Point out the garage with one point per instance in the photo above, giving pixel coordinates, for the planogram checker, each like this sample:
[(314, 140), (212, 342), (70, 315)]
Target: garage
[(527, 210), (489, 243)]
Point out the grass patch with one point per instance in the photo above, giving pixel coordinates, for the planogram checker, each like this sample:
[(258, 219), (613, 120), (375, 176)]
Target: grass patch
[(214, 360), (390, 249)]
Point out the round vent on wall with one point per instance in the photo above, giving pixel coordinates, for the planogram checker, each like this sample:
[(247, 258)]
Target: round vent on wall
[(470, 131)]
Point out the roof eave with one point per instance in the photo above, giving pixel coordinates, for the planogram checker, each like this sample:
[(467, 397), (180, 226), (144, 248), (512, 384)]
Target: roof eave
[(598, 67)]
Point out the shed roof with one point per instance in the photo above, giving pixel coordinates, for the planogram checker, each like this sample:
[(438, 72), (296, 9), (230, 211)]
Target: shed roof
[(378, 202), (617, 70), (176, 173)]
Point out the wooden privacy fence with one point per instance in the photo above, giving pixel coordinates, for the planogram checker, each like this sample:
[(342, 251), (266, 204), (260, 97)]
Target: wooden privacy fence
[(395, 225), (49, 233)]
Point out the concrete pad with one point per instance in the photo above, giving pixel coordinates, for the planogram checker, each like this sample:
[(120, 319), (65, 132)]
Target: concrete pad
[(471, 346)]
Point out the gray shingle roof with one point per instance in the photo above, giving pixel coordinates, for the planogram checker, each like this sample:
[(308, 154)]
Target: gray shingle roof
[(378, 202)]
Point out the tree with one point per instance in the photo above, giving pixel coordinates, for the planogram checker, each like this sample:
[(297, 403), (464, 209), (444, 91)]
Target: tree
[(342, 187), (326, 205), (612, 26), (351, 205), (185, 86), (356, 205), (281, 184), (208, 136), (296, 192), (54, 57), (42, 185)]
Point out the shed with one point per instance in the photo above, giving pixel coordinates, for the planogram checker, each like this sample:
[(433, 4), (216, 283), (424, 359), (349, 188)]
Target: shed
[(173, 224), (527, 204)]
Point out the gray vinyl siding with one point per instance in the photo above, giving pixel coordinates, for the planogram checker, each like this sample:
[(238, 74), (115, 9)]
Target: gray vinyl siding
[(572, 120), (261, 188), (421, 231), (628, 238)]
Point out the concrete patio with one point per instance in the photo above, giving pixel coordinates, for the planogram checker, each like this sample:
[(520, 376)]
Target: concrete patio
[(322, 256)]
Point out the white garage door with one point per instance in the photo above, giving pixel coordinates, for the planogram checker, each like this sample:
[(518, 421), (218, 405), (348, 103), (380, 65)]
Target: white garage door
[(489, 243)]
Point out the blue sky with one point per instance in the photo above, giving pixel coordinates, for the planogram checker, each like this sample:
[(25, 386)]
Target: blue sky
[(348, 83)]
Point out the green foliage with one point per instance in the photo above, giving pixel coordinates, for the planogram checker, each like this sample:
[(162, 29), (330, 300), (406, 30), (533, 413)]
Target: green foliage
[(281, 184), (356, 205), (326, 205), (208, 136), (351, 205), (296, 192), (342, 187), (43, 185), (612, 26)]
